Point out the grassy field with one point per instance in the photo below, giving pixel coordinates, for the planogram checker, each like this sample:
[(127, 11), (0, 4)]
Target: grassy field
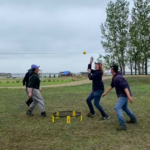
[(45, 81), (20, 132)]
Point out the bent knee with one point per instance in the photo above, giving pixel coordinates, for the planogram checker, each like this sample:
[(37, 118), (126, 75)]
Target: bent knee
[(96, 104), (116, 108), (87, 100)]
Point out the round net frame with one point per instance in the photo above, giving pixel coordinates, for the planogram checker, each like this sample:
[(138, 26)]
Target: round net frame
[(63, 114)]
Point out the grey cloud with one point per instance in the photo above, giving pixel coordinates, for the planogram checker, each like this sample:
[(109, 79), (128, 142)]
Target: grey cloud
[(50, 26)]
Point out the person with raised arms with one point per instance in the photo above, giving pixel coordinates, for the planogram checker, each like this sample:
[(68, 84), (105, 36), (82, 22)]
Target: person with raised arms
[(97, 89)]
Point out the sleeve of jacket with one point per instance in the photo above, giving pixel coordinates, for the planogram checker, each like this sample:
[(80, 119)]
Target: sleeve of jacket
[(121, 82), (89, 67), (112, 84), (25, 79), (92, 76)]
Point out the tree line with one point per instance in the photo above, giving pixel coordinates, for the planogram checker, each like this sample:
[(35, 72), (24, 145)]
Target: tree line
[(126, 36)]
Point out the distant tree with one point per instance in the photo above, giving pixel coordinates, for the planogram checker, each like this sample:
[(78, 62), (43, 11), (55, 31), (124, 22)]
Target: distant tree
[(115, 32), (140, 34)]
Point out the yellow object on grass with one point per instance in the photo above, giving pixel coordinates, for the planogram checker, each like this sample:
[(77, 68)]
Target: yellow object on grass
[(68, 119)]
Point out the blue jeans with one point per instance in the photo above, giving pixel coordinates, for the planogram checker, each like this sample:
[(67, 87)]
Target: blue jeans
[(96, 95), (122, 103)]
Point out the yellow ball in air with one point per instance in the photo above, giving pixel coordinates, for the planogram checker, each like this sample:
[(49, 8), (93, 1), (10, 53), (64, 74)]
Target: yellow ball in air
[(84, 52)]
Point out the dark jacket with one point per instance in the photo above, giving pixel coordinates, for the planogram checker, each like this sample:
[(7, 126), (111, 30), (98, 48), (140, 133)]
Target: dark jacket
[(119, 82), (34, 81), (26, 78), (96, 77)]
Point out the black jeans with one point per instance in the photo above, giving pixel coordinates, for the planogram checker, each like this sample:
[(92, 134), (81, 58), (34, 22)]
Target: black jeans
[(96, 95)]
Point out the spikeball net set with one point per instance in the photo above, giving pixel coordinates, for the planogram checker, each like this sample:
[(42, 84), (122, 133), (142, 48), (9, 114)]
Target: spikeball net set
[(66, 114)]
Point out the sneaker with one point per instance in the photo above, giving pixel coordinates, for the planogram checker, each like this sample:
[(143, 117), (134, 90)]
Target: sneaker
[(105, 118), (43, 114), (91, 115), (121, 128), (29, 113), (131, 121)]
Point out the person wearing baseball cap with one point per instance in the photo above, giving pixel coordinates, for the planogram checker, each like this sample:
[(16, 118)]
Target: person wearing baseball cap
[(34, 92), (124, 94), (97, 90)]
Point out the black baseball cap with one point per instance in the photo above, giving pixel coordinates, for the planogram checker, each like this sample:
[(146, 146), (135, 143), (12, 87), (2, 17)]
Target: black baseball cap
[(114, 67)]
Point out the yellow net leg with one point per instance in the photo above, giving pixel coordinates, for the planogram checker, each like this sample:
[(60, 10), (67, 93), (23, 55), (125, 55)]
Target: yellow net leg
[(81, 118), (53, 119), (68, 119), (73, 114), (57, 115)]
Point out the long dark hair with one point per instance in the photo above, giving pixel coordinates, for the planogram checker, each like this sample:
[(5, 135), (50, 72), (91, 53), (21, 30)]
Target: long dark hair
[(101, 69)]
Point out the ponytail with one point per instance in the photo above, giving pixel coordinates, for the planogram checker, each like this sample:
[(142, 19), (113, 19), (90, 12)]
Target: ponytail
[(101, 69)]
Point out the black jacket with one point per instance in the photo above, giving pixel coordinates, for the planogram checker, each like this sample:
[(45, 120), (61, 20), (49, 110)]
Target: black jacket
[(26, 78), (34, 81), (96, 77), (119, 82)]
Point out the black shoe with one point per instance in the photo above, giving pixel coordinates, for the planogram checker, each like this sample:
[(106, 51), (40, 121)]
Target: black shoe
[(131, 121), (29, 113), (105, 118), (121, 128), (43, 114), (91, 115)]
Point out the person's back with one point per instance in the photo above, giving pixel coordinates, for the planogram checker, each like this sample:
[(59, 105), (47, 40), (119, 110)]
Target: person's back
[(124, 94), (34, 81), (26, 79), (26, 83), (120, 83)]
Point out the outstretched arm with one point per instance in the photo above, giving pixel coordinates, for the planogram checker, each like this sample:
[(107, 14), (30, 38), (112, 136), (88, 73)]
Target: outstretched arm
[(107, 91), (128, 95)]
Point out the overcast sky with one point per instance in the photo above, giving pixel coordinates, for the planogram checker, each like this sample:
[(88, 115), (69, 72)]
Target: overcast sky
[(65, 28)]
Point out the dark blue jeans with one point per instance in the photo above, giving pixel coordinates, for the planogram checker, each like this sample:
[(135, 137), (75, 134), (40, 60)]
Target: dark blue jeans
[(96, 95)]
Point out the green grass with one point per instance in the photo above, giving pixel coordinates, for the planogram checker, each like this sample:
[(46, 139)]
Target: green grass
[(19, 84), (44, 81), (20, 132)]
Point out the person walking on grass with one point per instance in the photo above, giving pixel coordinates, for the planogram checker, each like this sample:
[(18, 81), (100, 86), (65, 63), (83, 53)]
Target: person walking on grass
[(124, 94), (97, 90), (25, 83), (34, 92)]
